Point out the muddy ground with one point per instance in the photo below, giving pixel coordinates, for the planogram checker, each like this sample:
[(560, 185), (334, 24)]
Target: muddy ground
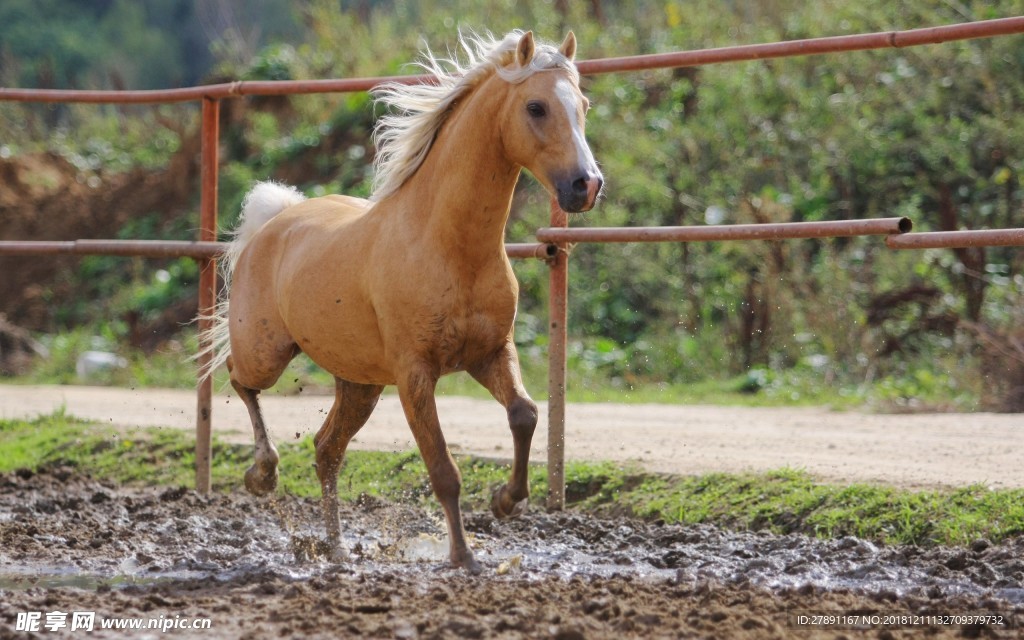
[(253, 568)]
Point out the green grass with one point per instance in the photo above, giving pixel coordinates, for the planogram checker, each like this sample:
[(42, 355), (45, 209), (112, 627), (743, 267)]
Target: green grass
[(783, 501), (787, 500)]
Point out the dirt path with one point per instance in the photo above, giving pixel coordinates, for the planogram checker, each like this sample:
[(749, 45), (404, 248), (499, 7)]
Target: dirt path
[(925, 450)]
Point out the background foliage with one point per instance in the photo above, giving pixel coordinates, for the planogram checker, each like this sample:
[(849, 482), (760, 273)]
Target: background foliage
[(935, 133)]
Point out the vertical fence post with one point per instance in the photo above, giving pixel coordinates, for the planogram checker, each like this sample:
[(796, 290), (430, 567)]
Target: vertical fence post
[(558, 292), (207, 284)]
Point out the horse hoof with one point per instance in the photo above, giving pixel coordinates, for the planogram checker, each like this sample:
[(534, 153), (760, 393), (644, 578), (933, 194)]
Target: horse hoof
[(503, 507), (471, 566), (335, 551), (259, 481)]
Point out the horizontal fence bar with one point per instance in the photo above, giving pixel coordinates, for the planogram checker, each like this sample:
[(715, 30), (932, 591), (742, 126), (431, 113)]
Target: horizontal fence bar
[(539, 250), (128, 248), (811, 46), (958, 239), (213, 91), (186, 248), (712, 233), (895, 228)]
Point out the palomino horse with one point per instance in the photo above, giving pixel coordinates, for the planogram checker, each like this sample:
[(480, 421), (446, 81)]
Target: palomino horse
[(413, 283)]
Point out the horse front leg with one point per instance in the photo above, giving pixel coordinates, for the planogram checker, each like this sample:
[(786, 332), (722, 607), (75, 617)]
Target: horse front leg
[(502, 377), (416, 391), (353, 404)]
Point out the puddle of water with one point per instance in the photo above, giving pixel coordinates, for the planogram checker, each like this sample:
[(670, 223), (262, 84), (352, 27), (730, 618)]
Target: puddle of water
[(424, 547), (53, 577), (420, 556), (1014, 595), (761, 562)]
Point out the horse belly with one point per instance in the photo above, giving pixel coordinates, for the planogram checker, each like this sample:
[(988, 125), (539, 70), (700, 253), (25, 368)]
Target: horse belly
[(345, 344), (352, 367), (322, 299)]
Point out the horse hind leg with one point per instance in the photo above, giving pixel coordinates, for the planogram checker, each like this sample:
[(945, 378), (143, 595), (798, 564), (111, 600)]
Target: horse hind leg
[(353, 404), (261, 476)]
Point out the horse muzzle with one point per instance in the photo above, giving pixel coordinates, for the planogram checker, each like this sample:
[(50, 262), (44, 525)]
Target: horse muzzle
[(579, 193)]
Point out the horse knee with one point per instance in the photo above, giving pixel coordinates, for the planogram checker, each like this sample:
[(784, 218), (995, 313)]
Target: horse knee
[(522, 417)]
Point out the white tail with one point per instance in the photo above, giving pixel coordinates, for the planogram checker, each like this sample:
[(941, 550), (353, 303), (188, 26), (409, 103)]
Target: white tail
[(263, 202)]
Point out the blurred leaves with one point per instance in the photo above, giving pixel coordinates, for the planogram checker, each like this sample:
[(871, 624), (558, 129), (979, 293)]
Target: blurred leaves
[(935, 133)]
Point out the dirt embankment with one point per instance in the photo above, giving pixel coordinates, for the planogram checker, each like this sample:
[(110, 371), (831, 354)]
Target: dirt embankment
[(46, 197)]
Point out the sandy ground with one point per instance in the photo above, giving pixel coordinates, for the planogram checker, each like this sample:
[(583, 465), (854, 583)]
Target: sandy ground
[(915, 451)]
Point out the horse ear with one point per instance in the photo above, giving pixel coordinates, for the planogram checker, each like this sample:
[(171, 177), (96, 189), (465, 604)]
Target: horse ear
[(525, 49), (568, 47)]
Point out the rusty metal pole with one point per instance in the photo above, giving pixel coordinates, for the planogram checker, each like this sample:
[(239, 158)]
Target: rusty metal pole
[(207, 285), (956, 239), (558, 294), (674, 59), (724, 232)]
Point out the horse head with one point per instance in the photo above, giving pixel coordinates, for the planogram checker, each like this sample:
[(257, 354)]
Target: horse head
[(543, 122)]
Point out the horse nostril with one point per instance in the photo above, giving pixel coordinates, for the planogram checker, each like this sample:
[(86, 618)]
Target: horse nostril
[(580, 194)]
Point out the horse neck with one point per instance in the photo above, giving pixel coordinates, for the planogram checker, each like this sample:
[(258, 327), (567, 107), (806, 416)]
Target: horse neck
[(461, 195)]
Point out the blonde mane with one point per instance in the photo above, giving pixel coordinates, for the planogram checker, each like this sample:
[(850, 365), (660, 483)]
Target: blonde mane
[(403, 136)]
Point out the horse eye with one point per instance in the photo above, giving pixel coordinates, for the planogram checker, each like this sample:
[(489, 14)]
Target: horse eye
[(536, 109)]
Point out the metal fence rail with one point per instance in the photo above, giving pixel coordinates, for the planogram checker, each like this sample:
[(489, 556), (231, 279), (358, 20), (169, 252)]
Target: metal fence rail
[(712, 233), (959, 239), (186, 248), (696, 57), (554, 242), (129, 248)]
